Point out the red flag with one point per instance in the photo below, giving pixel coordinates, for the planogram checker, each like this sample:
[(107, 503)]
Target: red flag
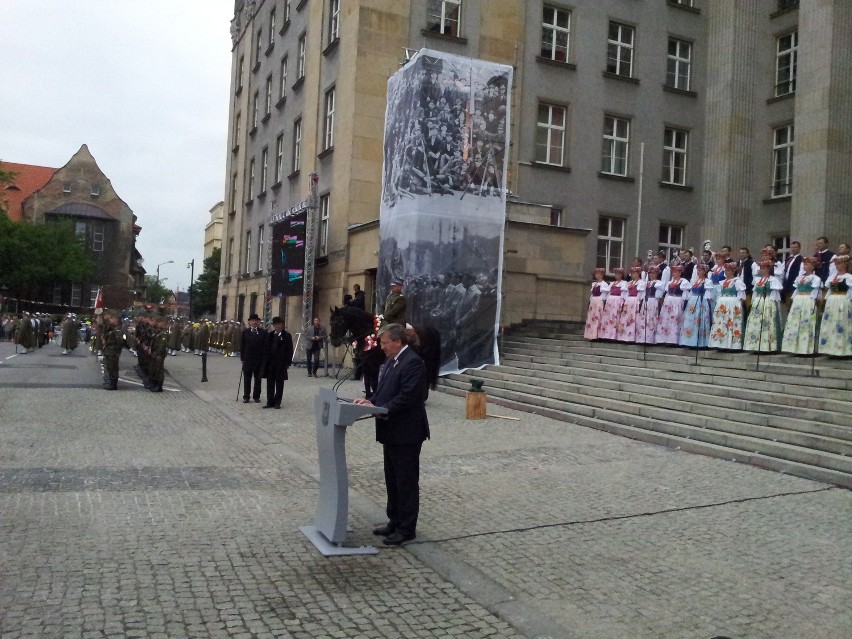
[(99, 303)]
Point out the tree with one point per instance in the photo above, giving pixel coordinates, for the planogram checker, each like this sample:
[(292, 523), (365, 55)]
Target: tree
[(155, 292), (34, 257), (205, 289)]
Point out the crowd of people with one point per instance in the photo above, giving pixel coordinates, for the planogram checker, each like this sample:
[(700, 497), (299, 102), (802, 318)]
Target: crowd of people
[(800, 305)]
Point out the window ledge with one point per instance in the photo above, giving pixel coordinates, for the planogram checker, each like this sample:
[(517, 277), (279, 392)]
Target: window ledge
[(301, 5), (253, 131), (238, 90), (443, 36), (235, 149), (778, 199), (619, 77), (322, 260), (550, 167), (331, 46), (232, 212), (781, 98), (684, 92), (617, 178), (782, 12), (675, 187), (261, 195), (276, 186), (281, 102), (298, 83), (250, 202), (294, 175), (227, 279), (269, 48), (284, 27), (265, 118), (326, 152), (683, 7), (255, 67), (258, 272), (559, 64)]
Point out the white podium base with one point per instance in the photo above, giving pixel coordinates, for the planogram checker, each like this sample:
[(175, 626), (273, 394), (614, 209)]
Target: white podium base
[(329, 549)]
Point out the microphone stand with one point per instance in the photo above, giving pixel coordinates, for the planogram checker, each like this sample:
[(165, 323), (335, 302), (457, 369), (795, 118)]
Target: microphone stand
[(760, 332), (700, 317), (816, 317)]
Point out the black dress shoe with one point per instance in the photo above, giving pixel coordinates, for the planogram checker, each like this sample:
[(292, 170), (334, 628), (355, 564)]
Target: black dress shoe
[(384, 531), (257, 401), (245, 400), (267, 406), (278, 407), (397, 538)]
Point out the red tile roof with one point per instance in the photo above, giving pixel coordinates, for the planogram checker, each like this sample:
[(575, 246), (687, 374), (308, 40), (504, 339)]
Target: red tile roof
[(27, 180)]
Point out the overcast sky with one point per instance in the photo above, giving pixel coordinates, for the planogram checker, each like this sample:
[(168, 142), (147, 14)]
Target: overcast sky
[(144, 83)]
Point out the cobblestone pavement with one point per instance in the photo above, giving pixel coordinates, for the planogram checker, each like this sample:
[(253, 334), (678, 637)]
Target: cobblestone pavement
[(132, 514)]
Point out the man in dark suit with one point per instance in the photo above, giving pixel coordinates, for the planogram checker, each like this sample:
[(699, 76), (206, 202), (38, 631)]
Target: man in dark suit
[(792, 265), (252, 343), (402, 390), (824, 255), (277, 358)]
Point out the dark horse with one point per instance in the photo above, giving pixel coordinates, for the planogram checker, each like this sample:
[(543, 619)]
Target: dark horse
[(353, 324)]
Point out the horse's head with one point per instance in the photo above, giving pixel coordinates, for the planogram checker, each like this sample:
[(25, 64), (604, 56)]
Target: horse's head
[(338, 327)]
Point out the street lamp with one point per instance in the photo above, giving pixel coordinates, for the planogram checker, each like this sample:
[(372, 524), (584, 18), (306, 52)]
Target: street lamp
[(158, 268), (191, 267)]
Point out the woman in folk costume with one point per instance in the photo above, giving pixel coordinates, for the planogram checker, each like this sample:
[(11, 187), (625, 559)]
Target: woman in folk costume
[(646, 320), (800, 330), (717, 274), (727, 330), (671, 312), (763, 329), (614, 304), (600, 290), (635, 293), (842, 251), (835, 336), (698, 315)]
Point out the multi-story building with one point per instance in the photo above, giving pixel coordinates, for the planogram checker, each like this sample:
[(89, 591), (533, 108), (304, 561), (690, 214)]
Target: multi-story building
[(636, 126), (213, 230)]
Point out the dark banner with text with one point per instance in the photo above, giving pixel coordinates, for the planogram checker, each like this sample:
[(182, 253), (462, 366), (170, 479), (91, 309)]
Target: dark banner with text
[(288, 255)]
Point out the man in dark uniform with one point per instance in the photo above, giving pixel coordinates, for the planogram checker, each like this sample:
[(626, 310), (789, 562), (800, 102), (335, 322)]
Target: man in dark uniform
[(394, 309), (359, 300), (402, 390), (317, 336), (278, 357), (252, 344), (113, 342)]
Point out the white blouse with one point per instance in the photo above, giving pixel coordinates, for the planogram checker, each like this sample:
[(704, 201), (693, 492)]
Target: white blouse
[(813, 280)]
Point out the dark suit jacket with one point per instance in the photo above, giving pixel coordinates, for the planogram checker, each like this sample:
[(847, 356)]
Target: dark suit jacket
[(402, 390), (278, 354), (746, 273), (792, 273), (252, 348), (822, 266)]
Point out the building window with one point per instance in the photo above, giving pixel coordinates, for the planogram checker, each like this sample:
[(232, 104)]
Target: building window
[(241, 306), (237, 133), (260, 253), (268, 109), (233, 198), (98, 237), (239, 80), (254, 111), (684, 3), (555, 217), (300, 63), (282, 79), (443, 16), (286, 11), (279, 158), (252, 303), (555, 33), (616, 142), (550, 135), (80, 228), (297, 145), (229, 267), (57, 293), (619, 52), (674, 156), (323, 228), (264, 164), (271, 27), (224, 312), (251, 180), (334, 21), (670, 240), (247, 262), (258, 46), (76, 294), (610, 243), (786, 62), (93, 295), (782, 246), (328, 132), (782, 161), (679, 65)]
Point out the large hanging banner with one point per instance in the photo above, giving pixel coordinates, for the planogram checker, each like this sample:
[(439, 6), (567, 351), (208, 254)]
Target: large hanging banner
[(444, 199), (288, 255)]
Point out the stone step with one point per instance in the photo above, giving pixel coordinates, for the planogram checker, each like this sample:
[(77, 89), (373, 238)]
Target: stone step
[(668, 370), (675, 441), (653, 420), (761, 411), (791, 400), (719, 419)]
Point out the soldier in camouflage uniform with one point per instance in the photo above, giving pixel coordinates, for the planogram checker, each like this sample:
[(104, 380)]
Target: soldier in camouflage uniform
[(112, 343), (158, 350)]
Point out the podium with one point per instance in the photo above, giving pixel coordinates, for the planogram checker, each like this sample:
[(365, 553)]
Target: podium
[(334, 416)]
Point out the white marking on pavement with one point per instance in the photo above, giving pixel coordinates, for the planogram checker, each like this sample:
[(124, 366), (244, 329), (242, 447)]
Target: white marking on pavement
[(133, 381)]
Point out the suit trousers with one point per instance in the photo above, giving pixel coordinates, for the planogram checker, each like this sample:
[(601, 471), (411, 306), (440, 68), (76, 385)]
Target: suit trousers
[(274, 390), (249, 375), (402, 481), (313, 361)]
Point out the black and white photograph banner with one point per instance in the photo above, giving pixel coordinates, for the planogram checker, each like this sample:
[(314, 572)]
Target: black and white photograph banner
[(444, 199)]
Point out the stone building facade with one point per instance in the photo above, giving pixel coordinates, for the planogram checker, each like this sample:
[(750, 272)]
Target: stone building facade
[(636, 127)]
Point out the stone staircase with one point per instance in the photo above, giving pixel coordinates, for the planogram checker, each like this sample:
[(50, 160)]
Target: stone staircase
[(779, 416)]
